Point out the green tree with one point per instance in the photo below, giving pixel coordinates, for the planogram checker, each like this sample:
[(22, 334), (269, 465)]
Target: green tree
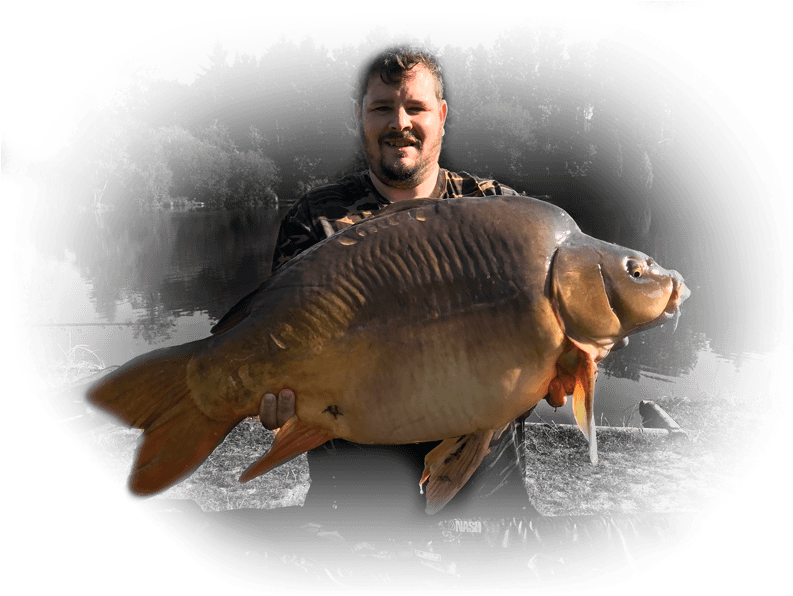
[(207, 167), (349, 56), (217, 135), (114, 132), (346, 58), (156, 178), (243, 60), (200, 168), (252, 179), (283, 47), (316, 59), (138, 72), (217, 63), (256, 140), (404, 38), (469, 85), (530, 51), (371, 41), (212, 84), (537, 71), (428, 41), (117, 135)]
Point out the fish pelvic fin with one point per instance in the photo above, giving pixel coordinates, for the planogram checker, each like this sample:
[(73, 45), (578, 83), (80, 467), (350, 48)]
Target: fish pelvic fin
[(293, 438), (151, 393), (449, 466), (583, 400)]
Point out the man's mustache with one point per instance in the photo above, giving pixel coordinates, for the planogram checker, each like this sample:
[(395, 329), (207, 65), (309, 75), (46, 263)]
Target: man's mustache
[(400, 136)]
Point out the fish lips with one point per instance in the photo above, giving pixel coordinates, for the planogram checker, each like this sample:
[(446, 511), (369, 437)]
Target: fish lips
[(680, 293)]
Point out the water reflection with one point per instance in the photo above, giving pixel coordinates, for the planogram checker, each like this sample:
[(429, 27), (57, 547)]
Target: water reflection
[(657, 352)]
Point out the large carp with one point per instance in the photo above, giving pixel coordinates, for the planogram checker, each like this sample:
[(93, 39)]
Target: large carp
[(431, 320)]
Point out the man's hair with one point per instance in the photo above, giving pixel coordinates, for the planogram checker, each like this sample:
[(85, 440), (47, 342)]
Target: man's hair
[(392, 64)]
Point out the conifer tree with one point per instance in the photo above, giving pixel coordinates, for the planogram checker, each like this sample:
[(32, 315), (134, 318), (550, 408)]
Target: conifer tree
[(217, 62)]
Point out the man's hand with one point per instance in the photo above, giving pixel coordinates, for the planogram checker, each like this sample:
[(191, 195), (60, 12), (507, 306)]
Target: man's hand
[(275, 411)]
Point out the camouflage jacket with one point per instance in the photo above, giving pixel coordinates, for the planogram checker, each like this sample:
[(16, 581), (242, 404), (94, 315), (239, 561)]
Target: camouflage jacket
[(354, 479)]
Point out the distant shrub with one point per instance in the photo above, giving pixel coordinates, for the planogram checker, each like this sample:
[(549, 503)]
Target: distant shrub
[(205, 167)]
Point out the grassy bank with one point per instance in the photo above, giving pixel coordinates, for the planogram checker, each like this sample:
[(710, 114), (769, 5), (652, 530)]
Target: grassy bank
[(642, 472)]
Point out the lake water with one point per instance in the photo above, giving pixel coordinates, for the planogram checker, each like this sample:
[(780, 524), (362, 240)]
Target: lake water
[(106, 288)]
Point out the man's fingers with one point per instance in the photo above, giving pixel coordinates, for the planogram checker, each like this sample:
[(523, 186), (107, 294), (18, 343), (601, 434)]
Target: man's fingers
[(267, 412), (275, 411), (286, 406)]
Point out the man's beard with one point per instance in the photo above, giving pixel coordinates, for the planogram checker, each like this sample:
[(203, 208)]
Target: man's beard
[(400, 175), (396, 174)]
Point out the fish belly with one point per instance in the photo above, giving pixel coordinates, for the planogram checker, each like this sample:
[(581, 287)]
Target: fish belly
[(427, 381)]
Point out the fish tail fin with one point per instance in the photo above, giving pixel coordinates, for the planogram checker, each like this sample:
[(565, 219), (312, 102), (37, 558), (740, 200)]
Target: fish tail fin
[(150, 392), (293, 438)]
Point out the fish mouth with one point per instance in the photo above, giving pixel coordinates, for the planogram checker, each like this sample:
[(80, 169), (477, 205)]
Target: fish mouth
[(679, 295), (672, 310)]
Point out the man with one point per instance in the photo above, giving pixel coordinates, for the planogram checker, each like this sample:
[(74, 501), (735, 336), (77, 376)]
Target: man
[(401, 113)]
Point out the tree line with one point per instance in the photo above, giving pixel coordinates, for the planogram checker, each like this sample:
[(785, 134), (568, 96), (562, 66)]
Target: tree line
[(529, 110)]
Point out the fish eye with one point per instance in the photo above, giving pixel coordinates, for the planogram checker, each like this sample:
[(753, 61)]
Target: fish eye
[(635, 268)]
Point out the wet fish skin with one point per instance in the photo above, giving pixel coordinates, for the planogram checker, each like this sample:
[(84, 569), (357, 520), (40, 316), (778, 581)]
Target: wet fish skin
[(407, 291), (430, 320)]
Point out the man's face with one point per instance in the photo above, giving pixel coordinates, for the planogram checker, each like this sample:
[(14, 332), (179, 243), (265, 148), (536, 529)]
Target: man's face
[(402, 128)]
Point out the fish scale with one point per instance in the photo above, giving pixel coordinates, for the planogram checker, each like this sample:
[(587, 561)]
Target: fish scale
[(430, 320)]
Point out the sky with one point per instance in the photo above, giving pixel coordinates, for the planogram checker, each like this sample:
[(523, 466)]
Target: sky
[(179, 52)]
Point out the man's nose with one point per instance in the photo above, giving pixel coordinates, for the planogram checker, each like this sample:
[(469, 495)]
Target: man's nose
[(401, 120)]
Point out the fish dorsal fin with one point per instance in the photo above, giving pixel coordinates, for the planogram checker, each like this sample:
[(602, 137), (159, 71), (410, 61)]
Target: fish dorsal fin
[(294, 437), (449, 466)]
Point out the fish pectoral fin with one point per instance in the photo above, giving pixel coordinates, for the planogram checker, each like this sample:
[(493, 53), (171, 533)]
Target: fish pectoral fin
[(449, 466), (583, 401), (294, 437)]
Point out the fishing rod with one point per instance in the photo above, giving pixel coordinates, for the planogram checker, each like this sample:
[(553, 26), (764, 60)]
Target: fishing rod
[(123, 324)]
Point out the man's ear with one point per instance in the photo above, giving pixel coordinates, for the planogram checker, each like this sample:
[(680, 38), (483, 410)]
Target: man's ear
[(444, 108)]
